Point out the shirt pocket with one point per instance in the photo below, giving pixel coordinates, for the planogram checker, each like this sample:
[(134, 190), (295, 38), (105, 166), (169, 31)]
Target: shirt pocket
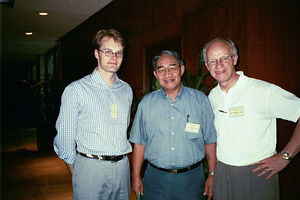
[(193, 129)]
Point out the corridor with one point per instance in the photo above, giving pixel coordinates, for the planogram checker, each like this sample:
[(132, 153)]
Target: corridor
[(28, 174)]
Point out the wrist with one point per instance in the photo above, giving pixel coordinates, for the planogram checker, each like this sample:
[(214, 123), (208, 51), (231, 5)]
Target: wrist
[(285, 155), (212, 173), (135, 176)]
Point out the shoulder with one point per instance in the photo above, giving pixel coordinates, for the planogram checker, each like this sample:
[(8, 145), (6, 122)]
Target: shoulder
[(80, 82), (125, 85), (77, 85), (213, 92), (258, 86), (151, 97), (194, 93)]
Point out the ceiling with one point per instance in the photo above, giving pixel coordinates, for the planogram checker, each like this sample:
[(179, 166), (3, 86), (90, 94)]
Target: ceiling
[(20, 16)]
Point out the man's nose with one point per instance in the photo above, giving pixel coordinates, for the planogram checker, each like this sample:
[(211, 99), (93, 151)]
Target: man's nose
[(114, 56)]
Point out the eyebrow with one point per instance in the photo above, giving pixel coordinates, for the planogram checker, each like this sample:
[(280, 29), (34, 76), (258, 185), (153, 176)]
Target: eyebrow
[(112, 50), (168, 66)]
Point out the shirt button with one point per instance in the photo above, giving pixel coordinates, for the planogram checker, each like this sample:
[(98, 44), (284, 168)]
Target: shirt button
[(172, 133), (172, 148), (172, 104), (172, 118)]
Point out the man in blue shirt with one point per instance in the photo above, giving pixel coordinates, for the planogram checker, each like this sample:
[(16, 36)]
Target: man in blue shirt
[(173, 129), (92, 125)]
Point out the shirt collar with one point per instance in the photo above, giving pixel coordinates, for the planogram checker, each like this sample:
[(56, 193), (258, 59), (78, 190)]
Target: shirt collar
[(98, 80), (178, 96), (238, 85)]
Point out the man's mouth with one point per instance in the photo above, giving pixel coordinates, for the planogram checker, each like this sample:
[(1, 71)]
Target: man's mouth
[(112, 63), (168, 80), (220, 72)]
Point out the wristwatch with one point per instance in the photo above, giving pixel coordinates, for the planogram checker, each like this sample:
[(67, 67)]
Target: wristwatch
[(286, 156), (211, 173)]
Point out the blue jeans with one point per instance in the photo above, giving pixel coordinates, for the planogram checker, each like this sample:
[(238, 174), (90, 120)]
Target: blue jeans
[(160, 185)]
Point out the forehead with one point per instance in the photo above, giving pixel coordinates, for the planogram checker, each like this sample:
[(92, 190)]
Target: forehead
[(218, 49), (110, 43), (166, 60)]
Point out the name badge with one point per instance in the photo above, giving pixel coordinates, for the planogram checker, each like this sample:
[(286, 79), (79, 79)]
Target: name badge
[(114, 111), (191, 127), (236, 111)]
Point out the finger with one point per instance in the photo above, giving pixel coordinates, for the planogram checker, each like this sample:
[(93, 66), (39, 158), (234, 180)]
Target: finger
[(210, 195), (257, 163), (205, 191), (258, 168), (271, 174), (136, 193), (266, 170), (142, 190)]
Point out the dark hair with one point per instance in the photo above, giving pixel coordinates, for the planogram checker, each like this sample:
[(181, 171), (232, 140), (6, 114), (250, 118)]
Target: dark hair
[(169, 52), (111, 33), (219, 39)]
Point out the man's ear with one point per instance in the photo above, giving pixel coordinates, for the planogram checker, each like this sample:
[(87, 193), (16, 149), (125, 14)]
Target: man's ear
[(154, 72), (96, 54), (206, 67), (235, 59), (182, 68)]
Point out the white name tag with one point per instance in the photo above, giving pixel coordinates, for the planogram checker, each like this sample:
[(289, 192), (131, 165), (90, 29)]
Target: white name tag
[(191, 127), (236, 111), (114, 111)]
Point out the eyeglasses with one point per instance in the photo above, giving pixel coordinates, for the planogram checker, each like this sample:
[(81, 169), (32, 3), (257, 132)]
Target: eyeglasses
[(171, 69), (110, 53), (223, 59)]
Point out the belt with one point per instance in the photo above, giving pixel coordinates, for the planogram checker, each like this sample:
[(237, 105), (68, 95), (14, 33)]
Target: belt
[(177, 171), (107, 158)]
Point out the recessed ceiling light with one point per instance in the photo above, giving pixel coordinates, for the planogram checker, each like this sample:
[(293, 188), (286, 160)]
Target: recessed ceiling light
[(43, 13), (28, 33)]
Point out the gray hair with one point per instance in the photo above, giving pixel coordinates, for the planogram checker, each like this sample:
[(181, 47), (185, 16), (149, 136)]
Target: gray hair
[(219, 39), (170, 53)]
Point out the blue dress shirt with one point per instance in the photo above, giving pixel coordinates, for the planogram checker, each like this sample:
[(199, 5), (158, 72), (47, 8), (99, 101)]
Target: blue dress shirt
[(93, 118), (160, 125)]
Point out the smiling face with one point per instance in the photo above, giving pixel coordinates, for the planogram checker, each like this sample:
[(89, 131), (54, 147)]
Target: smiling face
[(170, 77), (108, 64), (223, 72)]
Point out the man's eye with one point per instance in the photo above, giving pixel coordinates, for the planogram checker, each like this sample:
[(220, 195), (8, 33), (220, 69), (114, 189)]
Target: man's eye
[(211, 62), (109, 52), (225, 59), (160, 70)]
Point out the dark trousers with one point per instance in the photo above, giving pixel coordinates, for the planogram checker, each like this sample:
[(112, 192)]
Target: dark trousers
[(240, 183), (160, 185)]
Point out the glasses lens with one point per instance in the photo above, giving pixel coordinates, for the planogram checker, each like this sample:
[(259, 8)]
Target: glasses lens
[(119, 54), (109, 53), (212, 62)]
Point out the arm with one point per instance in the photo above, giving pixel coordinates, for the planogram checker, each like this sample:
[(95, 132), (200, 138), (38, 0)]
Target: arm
[(210, 153), (276, 163), (137, 162), (66, 126)]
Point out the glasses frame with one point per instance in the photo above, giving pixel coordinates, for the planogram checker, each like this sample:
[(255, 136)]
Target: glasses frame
[(170, 69), (222, 60), (110, 53)]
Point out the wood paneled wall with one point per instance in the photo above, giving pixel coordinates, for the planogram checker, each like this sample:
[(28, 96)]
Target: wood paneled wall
[(267, 33)]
